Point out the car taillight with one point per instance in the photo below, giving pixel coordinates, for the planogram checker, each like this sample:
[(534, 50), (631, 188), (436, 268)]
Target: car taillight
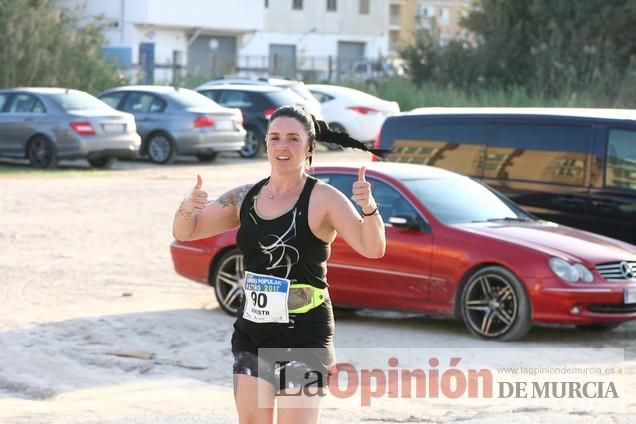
[(203, 121), (82, 127), (363, 110), (268, 112)]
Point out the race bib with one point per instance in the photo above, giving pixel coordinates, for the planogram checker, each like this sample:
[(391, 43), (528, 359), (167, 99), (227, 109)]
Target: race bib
[(265, 298)]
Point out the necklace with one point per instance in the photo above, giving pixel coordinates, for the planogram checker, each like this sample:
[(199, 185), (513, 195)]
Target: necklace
[(270, 193)]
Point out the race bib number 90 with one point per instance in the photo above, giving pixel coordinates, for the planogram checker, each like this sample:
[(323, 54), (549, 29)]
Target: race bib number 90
[(265, 298)]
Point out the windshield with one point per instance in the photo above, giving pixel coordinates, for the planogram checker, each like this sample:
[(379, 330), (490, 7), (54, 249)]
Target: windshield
[(192, 99), (286, 97), (302, 91), (462, 200), (78, 100)]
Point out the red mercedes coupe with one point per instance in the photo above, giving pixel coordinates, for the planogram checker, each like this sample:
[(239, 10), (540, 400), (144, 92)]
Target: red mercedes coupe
[(457, 248)]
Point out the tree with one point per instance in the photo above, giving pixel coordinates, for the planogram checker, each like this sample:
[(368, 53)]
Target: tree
[(547, 47), (44, 45)]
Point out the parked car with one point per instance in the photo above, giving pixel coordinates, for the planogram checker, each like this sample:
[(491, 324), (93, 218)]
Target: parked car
[(46, 124), (257, 102), (177, 121), (455, 247), (373, 71), (297, 87), (355, 112), (573, 166)]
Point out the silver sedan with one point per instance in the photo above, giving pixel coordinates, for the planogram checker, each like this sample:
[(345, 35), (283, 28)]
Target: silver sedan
[(48, 124), (174, 121)]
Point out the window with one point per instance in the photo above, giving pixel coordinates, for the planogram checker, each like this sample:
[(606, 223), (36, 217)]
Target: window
[(454, 146), (3, 100), (212, 94), (234, 98), (143, 103), (444, 16), (285, 97), (112, 99), (620, 170), (390, 201), (78, 100), (542, 153), (321, 97), (191, 99), (331, 5), (364, 7), (297, 4), (26, 103)]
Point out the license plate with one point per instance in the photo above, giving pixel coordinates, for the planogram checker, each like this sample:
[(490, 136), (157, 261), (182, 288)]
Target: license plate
[(630, 295), (114, 128), (225, 125)]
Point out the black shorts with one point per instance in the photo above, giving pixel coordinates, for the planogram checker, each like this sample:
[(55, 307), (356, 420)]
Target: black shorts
[(282, 373)]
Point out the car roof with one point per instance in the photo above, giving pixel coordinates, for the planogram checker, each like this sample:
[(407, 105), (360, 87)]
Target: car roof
[(39, 90), (528, 111), (397, 170), (253, 81), (342, 91), (150, 88), (244, 87)]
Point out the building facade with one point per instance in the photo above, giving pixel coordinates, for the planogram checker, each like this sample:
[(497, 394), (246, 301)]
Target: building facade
[(313, 39)]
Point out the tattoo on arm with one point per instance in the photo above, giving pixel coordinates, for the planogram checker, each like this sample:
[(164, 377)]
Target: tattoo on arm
[(234, 197)]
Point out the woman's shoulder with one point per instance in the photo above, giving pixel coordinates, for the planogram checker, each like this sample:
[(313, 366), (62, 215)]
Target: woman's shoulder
[(235, 196), (325, 190)]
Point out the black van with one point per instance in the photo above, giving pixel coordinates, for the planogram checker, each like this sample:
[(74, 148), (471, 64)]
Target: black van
[(576, 167)]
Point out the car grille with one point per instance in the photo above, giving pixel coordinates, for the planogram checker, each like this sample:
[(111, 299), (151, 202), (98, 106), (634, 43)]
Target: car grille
[(619, 308), (625, 270)]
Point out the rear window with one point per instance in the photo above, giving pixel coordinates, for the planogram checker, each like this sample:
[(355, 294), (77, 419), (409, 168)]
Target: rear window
[(302, 91), (192, 99), (285, 97), (78, 100)]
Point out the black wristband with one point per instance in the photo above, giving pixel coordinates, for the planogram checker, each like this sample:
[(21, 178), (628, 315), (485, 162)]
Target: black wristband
[(374, 212)]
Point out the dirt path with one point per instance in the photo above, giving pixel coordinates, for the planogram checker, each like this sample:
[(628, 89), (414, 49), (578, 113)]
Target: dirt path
[(85, 272)]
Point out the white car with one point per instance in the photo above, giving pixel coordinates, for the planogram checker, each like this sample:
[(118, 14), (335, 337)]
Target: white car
[(355, 112)]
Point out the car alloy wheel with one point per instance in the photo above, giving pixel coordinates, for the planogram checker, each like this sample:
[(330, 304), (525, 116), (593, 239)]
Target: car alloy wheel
[(41, 153), (227, 280), (494, 305), (161, 149), (253, 142)]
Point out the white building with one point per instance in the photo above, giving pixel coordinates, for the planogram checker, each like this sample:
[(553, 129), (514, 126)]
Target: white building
[(209, 38)]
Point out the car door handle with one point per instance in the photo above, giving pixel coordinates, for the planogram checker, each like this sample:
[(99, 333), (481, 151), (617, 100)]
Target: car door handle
[(29, 119)]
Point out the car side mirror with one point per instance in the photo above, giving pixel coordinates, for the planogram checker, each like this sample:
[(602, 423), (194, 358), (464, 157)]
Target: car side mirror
[(404, 221)]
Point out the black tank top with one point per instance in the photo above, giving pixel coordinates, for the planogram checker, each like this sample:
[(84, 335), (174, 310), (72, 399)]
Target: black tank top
[(285, 246)]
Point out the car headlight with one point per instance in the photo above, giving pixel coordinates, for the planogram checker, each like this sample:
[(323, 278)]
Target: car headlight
[(570, 273), (585, 274), (564, 270)]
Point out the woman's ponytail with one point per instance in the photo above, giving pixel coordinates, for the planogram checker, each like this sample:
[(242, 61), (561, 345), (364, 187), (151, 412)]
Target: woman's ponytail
[(327, 135)]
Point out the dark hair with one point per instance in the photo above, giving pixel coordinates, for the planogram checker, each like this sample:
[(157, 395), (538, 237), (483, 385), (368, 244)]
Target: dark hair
[(319, 130)]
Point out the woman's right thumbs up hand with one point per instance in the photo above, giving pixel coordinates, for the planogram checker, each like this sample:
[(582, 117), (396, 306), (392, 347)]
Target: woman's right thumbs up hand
[(195, 201)]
